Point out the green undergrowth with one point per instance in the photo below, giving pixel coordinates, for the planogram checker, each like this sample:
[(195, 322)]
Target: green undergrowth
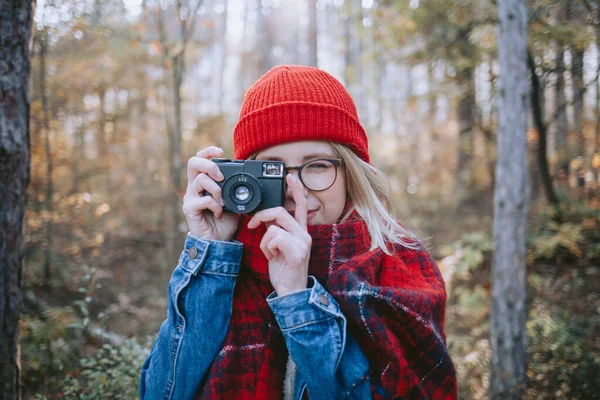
[(563, 306), (67, 355)]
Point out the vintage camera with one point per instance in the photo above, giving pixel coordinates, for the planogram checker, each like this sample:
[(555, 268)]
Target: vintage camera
[(251, 185)]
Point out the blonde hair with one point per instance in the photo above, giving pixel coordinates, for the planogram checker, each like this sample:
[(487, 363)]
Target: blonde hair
[(370, 190)]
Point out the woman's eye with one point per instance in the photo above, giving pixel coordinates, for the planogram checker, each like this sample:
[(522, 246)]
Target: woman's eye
[(318, 166)]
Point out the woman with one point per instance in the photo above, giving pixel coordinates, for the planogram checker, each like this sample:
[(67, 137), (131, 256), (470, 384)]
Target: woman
[(326, 297)]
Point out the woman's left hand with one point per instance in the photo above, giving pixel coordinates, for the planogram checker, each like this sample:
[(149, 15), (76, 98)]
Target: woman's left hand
[(286, 244)]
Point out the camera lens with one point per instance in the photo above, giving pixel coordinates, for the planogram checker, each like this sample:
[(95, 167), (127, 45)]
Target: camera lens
[(242, 193)]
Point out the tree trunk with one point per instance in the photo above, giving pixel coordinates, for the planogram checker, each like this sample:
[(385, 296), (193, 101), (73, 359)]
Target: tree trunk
[(97, 12), (175, 55), (223, 59), (574, 15), (294, 45), (508, 312), (347, 44), (43, 41), (537, 113), (177, 69), (535, 174), (379, 70), (560, 142), (559, 145), (101, 138), (353, 73), (490, 135), (466, 117), (244, 73), (432, 92), (15, 20), (312, 33), (78, 157), (265, 41), (466, 125), (539, 144), (595, 146), (578, 94), (593, 8)]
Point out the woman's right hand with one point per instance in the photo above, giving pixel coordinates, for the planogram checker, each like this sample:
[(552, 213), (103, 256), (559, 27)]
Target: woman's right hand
[(204, 214)]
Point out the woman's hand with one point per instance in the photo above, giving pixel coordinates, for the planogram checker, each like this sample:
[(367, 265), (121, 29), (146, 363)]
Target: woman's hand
[(286, 244), (204, 214)]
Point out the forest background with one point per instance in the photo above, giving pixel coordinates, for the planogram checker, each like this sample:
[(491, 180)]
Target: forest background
[(124, 92)]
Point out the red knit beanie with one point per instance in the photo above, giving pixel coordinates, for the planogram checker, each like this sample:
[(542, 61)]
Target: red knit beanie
[(291, 103)]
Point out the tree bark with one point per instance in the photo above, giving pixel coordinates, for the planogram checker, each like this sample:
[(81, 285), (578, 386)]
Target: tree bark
[(574, 16), (560, 142), (347, 44), (178, 69), (379, 73), (508, 312), (48, 205), (432, 93), (78, 157), (244, 73), (223, 59), (466, 124), (595, 146), (466, 107), (294, 44), (534, 147), (578, 95), (353, 71), (488, 131), (560, 101), (537, 113), (101, 138), (15, 20), (265, 34)]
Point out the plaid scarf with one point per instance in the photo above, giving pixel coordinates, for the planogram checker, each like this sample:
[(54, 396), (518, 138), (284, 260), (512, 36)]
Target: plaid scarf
[(394, 305)]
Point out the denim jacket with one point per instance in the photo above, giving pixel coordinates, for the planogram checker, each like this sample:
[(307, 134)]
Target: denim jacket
[(329, 363)]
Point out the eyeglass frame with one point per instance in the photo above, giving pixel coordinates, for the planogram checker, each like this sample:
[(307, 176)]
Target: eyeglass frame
[(335, 161)]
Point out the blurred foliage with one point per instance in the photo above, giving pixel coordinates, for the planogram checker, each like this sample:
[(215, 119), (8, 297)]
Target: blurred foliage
[(48, 348), (564, 328), (576, 239), (470, 251), (558, 238), (113, 372), (63, 359)]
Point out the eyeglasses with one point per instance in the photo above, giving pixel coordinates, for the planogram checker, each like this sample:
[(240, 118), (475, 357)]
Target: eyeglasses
[(318, 175)]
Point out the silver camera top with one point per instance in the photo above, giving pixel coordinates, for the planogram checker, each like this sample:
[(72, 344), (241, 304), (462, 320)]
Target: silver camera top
[(273, 170)]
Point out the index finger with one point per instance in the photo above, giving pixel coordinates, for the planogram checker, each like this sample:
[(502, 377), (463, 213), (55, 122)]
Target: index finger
[(210, 152), (278, 216), (193, 168), (301, 213)]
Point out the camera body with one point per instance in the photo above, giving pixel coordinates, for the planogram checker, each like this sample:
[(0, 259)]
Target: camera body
[(251, 185)]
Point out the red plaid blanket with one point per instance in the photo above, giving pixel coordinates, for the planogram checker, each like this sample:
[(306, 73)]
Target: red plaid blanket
[(394, 306)]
